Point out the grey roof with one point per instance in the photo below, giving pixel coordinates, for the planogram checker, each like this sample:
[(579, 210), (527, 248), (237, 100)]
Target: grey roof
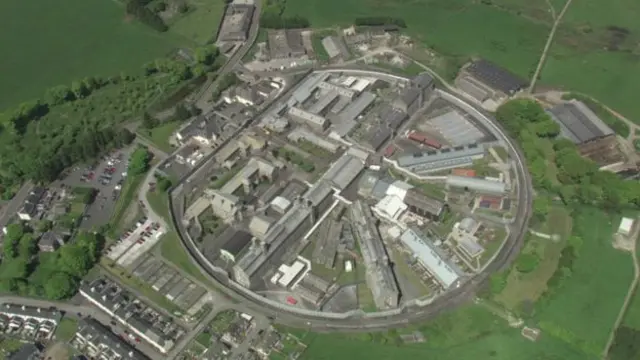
[(422, 81), (236, 22), (306, 88), (234, 240), (578, 123), (101, 337), (409, 95), (444, 156), (361, 103), (456, 128), (380, 189), (51, 238), (248, 92), (416, 198), (344, 171), (391, 116), (344, 127), (30, 311), (378, 136), (496, 77), (285, 43), (318, 193), (477, 184), (324, 102), (432, 257), (204, 126)]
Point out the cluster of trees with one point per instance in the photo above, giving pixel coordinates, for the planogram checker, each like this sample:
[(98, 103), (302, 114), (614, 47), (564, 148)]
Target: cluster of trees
[(53, 275), (163, 183), (273, 21), (576, 180), (139, 9), (273, 17), (380, 21), (205, 61), (139, 161), (35, 109)]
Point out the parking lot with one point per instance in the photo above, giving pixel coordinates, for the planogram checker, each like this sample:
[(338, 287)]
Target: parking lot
[(135, 241), (107, 177)]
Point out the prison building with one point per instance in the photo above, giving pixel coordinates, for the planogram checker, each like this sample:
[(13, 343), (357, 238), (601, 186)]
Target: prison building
[(478, 185), (357, 107), (380, 278), (314, 121), (438, 160), (432, 258)]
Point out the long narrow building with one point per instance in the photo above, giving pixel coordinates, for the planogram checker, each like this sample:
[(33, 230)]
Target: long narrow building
[(380, 278)]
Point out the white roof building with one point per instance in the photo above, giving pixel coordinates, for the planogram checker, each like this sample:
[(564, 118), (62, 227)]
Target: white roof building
[(626, 225), (289, 273), (280, 204), (432, 258), (391, 206), (478, 185)]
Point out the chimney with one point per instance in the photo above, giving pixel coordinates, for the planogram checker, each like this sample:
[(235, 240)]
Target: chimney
[(24, 307), (38, 309)]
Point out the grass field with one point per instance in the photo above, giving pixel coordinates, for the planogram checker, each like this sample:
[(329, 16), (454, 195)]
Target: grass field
[(585, 307), (66, 329), (53, 43), (172, 251), (160, 135), (200, 25), (470, 333), (512, 33)]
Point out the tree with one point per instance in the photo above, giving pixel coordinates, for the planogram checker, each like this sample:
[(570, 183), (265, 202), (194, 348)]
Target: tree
[(14, 232), (181, 112), (148, 121), (28, 245), (16, 268), (58, 95), (60, 286), (79, 89), (139, 161), (541, 206), (44, 225), (75, 260)]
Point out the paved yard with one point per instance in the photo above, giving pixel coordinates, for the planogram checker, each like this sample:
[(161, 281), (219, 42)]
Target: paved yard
[(99, 213)]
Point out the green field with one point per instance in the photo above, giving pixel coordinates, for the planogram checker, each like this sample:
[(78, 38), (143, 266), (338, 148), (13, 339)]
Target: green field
[(161, 134), (469, 333), (512, 33), (53, 43), (201, 24), (586, 305)]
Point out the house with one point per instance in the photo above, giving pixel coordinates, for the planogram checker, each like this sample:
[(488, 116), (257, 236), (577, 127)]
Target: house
[(50, 241), (203, 129)]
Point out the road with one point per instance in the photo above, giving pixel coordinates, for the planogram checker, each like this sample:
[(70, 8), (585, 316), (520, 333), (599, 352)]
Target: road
[(14, 204), (448, 300), (83, 311), (547, 46)]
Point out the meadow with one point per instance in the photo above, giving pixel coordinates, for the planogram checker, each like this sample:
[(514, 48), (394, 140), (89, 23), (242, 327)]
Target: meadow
[(49, 43), (200, 25), (470, 333), (589, 54), (584, 307)]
